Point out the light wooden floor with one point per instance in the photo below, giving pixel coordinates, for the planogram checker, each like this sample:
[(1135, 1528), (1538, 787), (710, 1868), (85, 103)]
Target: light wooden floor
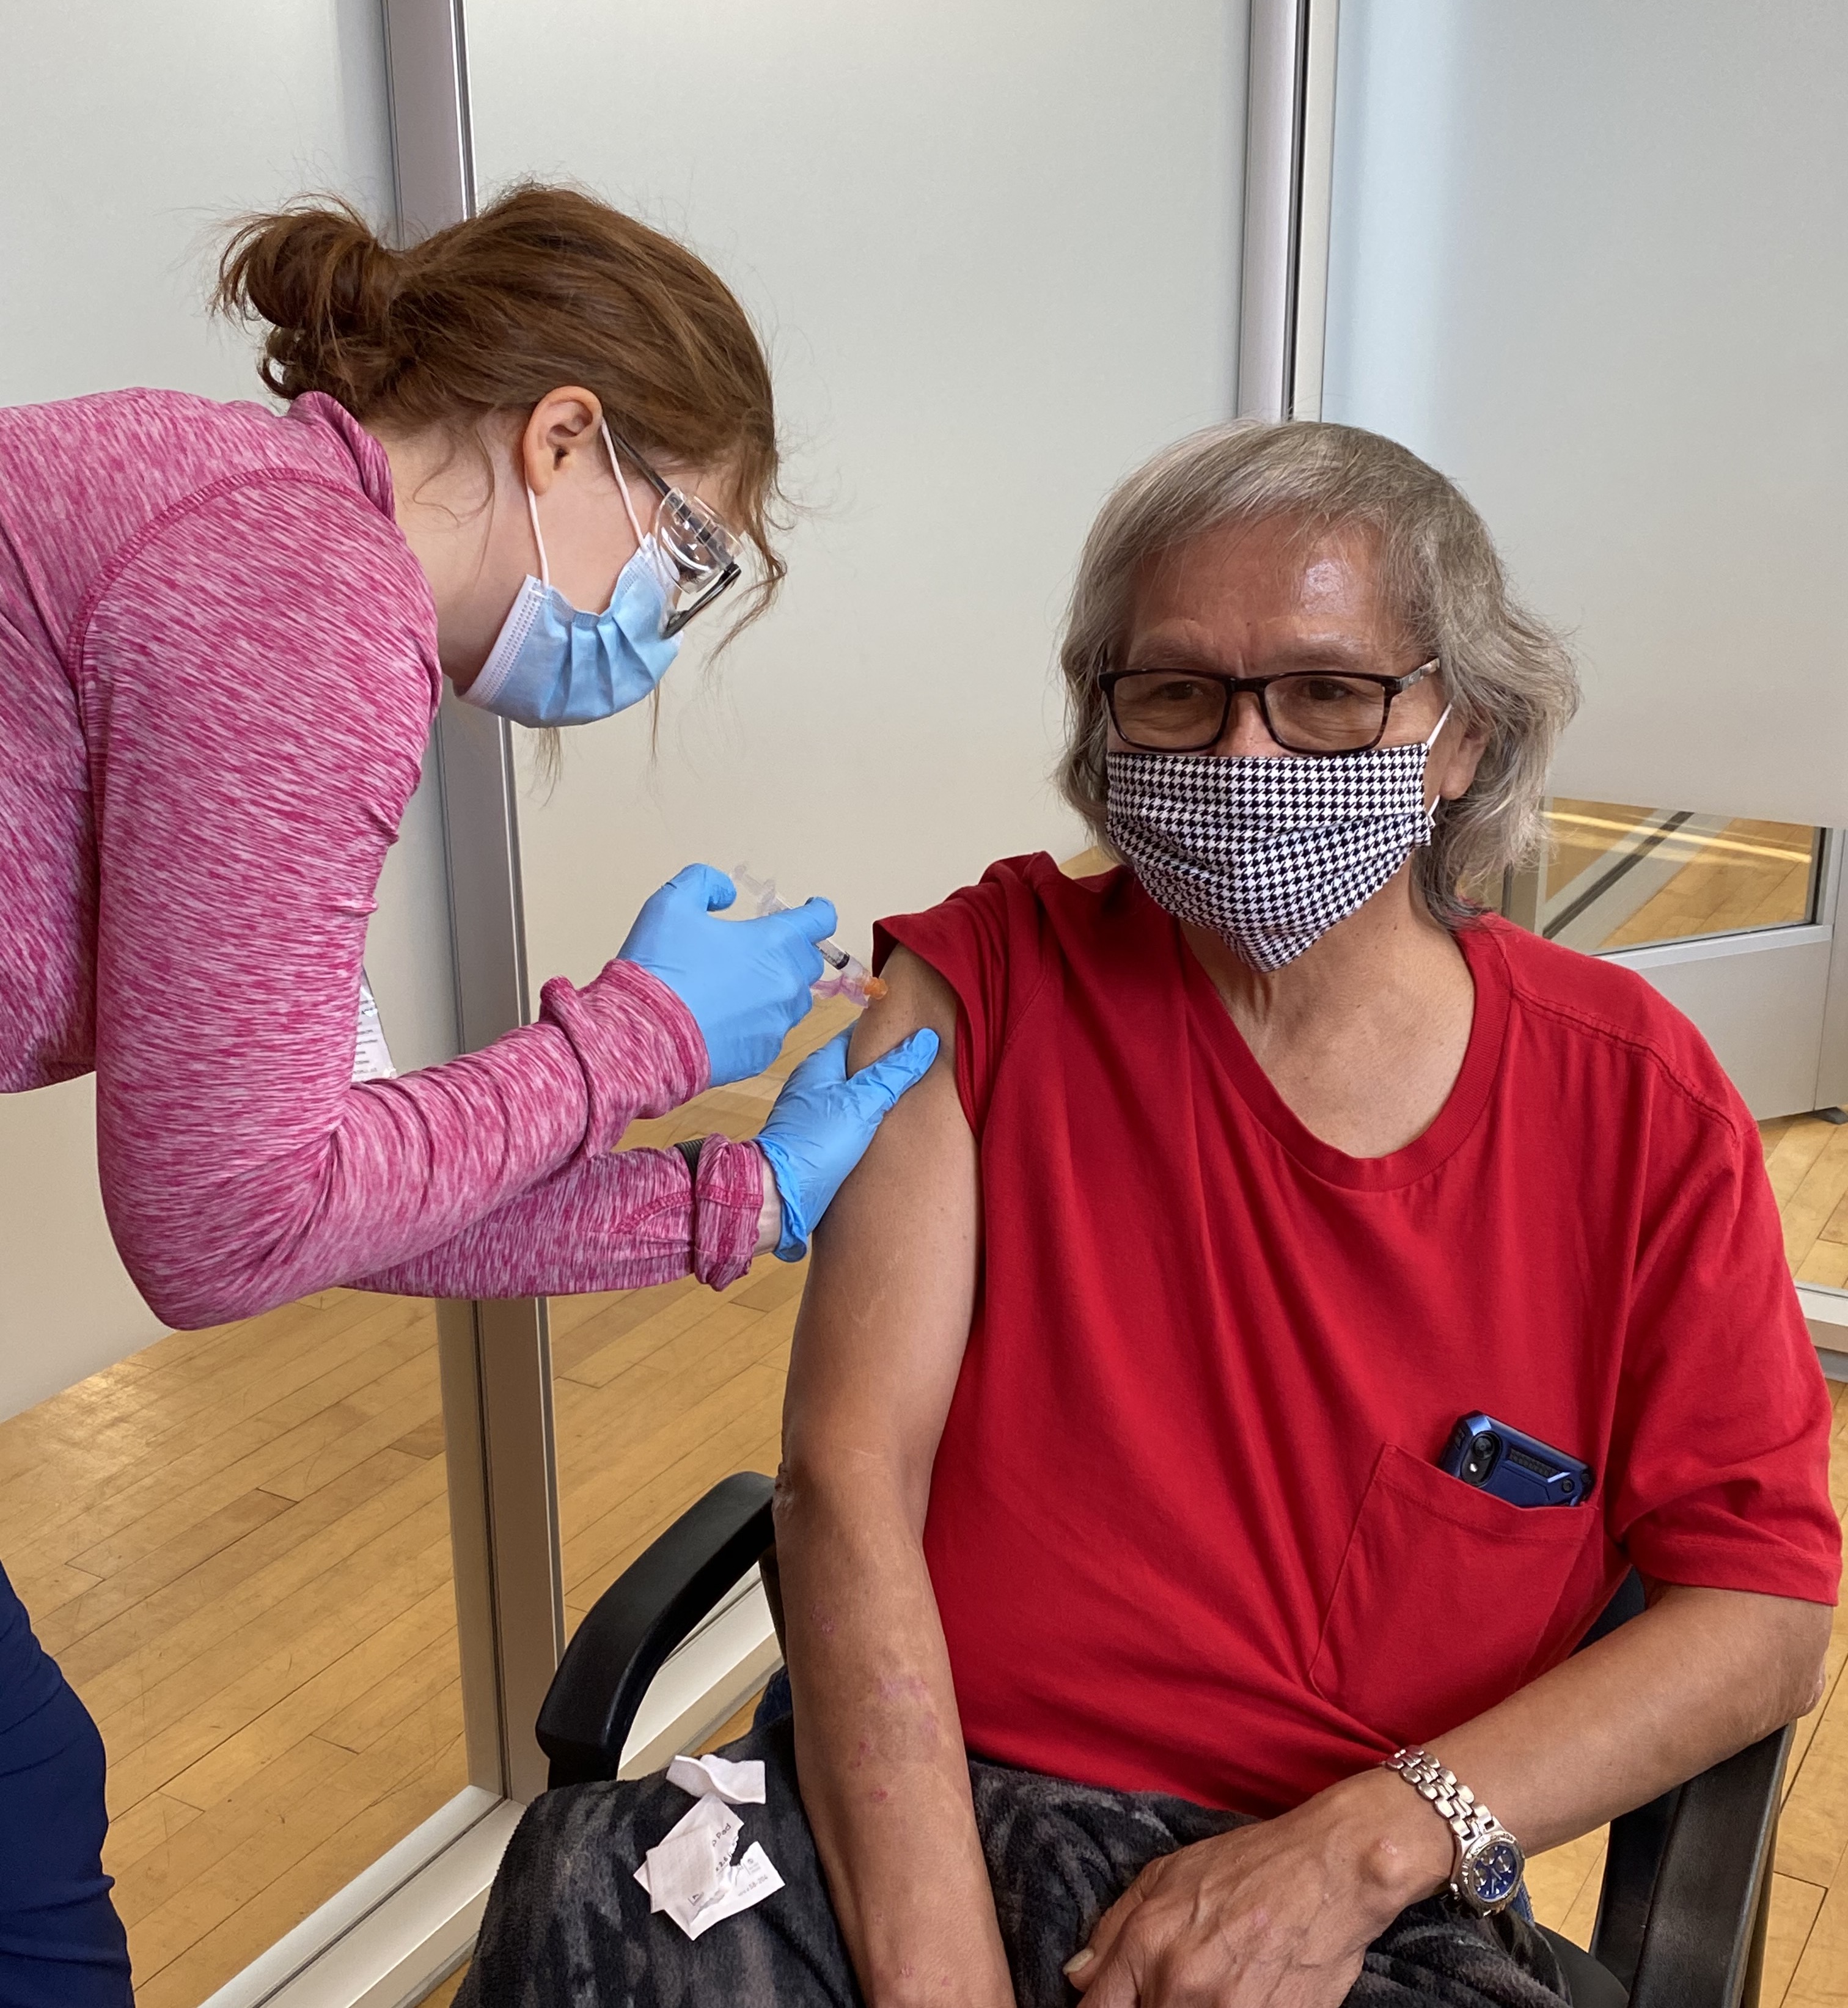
[(1808, 1159), (1580, 833), (1748, 875), (1752, 874)]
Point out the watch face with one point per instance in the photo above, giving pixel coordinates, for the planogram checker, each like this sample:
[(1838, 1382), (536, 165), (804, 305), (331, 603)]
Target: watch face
[(1491, 1875)]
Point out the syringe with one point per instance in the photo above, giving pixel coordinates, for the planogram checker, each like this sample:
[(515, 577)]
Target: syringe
[(850, 977)]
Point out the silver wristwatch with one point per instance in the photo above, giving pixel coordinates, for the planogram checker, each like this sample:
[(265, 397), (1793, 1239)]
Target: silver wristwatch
[(1486, 1869)]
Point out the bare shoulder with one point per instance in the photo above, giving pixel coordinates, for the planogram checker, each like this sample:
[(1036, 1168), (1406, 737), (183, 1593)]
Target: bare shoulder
[(885, 1316), (924, 1149), (915, 996)]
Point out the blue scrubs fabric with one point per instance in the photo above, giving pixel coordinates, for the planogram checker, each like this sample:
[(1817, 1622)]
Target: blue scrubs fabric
[(61, 1944)]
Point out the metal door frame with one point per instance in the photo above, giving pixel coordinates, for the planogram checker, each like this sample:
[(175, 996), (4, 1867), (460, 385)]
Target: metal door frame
[(496, 1356), (1802, 968), (1289, 163)]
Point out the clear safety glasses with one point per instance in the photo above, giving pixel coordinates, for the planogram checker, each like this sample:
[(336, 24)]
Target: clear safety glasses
[(693, 538)]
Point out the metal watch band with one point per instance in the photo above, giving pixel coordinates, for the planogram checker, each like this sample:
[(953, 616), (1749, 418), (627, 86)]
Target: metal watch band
[(1469, 1821), (690, 1148)]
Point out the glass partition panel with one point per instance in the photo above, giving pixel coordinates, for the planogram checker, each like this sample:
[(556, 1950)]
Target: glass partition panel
[(236, 1544), (1620, 876)]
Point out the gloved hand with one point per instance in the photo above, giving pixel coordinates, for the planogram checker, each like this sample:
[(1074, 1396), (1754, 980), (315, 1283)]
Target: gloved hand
[(746, 982), (822, 1122)]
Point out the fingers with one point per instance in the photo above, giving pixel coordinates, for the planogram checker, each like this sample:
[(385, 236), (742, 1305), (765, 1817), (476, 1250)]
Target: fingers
[(826, 1065), (890, 1075), (1086, 1966), (816, 919), (706, 884), (1110, 1924), (1112, 1974), (1105, 1982)]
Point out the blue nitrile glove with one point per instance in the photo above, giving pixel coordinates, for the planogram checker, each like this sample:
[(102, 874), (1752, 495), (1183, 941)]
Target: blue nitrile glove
[(822, 1122), (746, 982)]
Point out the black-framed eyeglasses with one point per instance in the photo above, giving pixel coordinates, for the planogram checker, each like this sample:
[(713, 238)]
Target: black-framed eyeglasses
[(1317, 712), (693, 539)]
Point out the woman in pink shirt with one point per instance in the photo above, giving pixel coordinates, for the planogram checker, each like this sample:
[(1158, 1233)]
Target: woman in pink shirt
[(223, 634)]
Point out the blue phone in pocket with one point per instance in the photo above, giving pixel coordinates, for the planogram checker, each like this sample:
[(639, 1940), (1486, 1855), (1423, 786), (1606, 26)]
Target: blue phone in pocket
[(1513, 1465)]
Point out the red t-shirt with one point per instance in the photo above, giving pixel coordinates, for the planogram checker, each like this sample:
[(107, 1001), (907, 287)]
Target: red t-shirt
[(1186, 1528)]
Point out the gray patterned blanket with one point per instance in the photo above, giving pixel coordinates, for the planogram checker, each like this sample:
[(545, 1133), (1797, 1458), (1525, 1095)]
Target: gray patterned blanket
[(568, 1926)]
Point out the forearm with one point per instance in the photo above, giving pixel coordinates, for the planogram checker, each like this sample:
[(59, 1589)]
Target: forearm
[(879, 1745), (237, 1179), (1701, 1674), (618, 1222)]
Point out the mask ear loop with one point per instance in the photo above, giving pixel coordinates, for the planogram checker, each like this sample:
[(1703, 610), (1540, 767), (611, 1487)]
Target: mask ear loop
[(1436, 801), (532, 509), (616, 467)]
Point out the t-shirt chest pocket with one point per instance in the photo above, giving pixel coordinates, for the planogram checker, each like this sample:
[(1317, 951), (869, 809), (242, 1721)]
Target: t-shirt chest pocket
[(1445, 1598)]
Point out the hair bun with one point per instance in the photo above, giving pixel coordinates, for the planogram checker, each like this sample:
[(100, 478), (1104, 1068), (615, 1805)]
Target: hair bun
[(319, 276)]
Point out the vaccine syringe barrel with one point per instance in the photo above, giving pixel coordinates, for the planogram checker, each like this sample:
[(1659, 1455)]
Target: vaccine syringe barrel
[(850, 978)]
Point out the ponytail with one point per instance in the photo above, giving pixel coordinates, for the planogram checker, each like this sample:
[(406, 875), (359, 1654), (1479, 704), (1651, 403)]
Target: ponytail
[(546, 287)]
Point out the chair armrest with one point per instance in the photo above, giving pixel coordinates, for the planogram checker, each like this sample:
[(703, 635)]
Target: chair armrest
[(1632, 1857), (640, 1619), (1704, 1936)]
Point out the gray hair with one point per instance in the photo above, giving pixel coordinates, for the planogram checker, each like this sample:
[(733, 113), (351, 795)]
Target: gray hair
[(1505, 672)]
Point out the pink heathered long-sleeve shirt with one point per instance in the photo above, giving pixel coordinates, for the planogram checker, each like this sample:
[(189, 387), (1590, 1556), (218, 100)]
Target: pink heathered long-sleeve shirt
[(217, 673)]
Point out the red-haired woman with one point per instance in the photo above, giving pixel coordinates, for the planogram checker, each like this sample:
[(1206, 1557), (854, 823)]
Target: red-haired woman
[(523, 455)]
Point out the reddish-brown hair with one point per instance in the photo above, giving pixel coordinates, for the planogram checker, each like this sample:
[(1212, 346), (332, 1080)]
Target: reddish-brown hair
[(545, 287)]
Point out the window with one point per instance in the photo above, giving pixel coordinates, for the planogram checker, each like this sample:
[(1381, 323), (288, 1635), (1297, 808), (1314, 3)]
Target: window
[(1621, 877)]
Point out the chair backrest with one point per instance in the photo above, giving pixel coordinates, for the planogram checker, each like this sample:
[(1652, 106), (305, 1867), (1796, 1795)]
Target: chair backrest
[(1629, 1602)]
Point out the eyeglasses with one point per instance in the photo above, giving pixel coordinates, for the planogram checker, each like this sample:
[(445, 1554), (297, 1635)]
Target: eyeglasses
[(694, 540), (1305, 711)]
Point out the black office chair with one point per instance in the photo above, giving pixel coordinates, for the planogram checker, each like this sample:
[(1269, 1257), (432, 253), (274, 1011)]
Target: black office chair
[(1681, 1917)]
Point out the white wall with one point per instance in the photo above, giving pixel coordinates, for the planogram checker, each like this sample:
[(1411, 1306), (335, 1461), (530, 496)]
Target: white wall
[(993, 244), (66, 1305), (1588, 259), (129, 135)]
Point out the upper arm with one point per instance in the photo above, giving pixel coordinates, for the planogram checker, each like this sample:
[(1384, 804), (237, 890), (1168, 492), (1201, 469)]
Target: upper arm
[(259, 749), (879, 1338)]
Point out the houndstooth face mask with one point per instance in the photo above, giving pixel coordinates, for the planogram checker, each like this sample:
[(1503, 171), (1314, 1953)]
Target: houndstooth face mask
[(1269, 853)]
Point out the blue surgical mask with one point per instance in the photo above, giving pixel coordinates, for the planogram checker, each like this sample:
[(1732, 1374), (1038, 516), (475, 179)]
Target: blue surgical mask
[(553, 664)]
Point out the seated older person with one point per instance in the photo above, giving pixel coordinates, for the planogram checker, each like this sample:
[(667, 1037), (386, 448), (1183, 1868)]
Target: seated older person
[(1119, 1566)]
